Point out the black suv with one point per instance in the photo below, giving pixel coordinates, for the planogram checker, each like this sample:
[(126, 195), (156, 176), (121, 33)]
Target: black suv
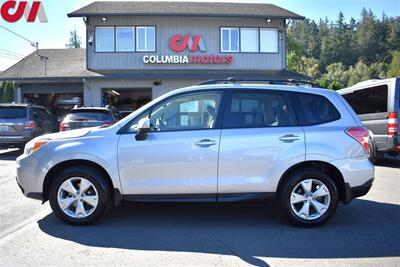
[(83, 117)]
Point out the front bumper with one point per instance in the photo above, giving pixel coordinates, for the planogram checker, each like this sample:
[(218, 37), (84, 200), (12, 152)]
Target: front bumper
[(357, 191), (30, 176)]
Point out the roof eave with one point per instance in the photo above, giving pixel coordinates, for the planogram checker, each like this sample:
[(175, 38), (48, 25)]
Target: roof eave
[(77, 15), (64, 78)]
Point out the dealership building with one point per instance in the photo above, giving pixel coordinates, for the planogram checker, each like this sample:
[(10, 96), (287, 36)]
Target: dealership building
[(137, 51)]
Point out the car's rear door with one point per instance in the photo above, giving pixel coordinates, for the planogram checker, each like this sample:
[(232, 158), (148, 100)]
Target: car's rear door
[(260, 139)]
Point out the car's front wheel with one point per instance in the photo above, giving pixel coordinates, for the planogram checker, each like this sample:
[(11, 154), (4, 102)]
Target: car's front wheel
[(308, 198), (79, 195)]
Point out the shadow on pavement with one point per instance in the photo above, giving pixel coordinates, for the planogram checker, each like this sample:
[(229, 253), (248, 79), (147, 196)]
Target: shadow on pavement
[(246, 230), (11, 154), (391, 162)]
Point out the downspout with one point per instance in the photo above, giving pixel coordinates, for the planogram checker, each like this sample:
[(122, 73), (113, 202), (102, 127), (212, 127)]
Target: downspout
[(284, 45)]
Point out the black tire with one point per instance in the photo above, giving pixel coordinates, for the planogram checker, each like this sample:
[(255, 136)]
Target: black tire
[(99, 182), (374, 156), (294, 179)]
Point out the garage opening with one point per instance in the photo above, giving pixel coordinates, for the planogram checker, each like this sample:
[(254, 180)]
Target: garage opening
[(58, 104), (126, 100), (58, 97)]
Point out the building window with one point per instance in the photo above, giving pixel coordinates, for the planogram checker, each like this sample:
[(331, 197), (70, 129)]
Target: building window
[(249, 40), (269, 40), (125, 39), (146, 38), (229, 39), (104, 39)]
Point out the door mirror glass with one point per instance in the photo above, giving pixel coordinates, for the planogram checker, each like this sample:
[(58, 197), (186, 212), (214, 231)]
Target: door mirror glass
[(143, 129)]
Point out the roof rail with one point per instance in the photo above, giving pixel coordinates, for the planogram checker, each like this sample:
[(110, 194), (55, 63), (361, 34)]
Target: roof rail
[(268, 81)]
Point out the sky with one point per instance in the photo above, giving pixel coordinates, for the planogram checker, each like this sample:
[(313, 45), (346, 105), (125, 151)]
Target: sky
[(55, 33)]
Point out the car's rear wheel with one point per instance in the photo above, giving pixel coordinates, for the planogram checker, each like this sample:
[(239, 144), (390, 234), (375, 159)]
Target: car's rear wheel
[(79, 195), (308, 198)]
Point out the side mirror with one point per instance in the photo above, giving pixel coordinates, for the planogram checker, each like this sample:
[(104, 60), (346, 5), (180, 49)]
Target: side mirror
[(143, 129)]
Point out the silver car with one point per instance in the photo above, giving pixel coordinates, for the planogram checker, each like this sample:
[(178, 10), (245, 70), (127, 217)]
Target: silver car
[(302, 147)]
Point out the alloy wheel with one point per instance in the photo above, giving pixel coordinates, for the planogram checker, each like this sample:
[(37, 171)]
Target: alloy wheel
[(77, 197), (310, 199)]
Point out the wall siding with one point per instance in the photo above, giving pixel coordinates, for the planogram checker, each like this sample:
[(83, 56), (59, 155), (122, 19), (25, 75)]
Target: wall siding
[(166, 27), (93, 89)]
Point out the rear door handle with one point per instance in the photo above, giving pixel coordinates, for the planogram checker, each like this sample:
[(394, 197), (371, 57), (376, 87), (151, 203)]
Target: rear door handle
[(289, 138), (206, 143)]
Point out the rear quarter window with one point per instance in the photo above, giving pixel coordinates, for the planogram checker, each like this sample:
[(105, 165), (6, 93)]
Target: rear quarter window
[(314, 109), (369, 100)]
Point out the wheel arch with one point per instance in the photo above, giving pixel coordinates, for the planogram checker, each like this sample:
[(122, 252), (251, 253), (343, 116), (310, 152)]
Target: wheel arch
[(116, 195), (326, 167)]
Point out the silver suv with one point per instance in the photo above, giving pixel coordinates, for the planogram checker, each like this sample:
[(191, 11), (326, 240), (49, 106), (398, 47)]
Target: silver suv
[(302, 147)]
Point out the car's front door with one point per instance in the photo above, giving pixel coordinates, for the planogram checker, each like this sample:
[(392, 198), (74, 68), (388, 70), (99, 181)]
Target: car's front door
[(180, 154)]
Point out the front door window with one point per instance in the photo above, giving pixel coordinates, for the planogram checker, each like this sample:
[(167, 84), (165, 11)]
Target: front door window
[(188, 112)]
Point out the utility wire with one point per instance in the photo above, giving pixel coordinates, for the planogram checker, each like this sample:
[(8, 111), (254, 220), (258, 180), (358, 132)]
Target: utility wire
[(20, 36), (11, 52), (8, 57)]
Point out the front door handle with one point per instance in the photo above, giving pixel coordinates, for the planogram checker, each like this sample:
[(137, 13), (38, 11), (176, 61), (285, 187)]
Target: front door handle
[(206, 143), (289, 138)]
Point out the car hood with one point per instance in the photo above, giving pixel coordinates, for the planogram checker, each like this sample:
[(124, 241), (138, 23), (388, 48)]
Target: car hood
[(67, 134)]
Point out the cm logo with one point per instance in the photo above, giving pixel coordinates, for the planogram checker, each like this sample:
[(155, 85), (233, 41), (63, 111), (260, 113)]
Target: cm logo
[(12, 11), (179, 43)]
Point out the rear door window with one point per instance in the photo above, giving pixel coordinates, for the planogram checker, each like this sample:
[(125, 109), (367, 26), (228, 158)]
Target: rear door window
[(255, 108), (314, 109), (369, 100), (12, 112)]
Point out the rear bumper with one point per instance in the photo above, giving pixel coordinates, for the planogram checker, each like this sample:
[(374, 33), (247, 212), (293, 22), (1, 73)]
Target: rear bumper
[(387, 143), (13, 140), (357, 191)]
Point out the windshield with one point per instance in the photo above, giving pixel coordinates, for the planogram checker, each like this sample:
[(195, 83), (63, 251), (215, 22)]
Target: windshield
[(89, 116), (12, 112)]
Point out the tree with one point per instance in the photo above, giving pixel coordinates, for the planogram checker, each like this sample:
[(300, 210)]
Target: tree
[(394, 66), (303, 65), (358, 73), (336, 72), (339, 53), (74, 40), (6, 92)]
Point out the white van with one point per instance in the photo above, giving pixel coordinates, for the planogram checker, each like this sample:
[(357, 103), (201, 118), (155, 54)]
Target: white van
[(377, 104)]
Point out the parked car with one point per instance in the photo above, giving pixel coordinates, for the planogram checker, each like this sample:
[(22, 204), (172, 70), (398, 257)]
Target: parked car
[(304, 148), (83, 117), (123, 114), (377, 104), (19, 123)]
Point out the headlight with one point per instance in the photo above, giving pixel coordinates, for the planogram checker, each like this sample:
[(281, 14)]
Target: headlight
[(33, 146)]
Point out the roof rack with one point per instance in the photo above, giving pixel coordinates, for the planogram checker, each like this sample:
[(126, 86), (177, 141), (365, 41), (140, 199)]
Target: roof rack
[(268, 81)]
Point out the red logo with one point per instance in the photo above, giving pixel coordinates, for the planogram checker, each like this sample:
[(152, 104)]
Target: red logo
[(179, 44), (11, 11)]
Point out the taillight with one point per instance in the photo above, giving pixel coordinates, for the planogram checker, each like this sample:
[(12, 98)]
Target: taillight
[(30, 125), (63, 126), (393, 123), (361, 135)]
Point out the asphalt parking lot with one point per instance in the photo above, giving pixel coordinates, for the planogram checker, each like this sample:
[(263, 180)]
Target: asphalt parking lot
[(364, 233)]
